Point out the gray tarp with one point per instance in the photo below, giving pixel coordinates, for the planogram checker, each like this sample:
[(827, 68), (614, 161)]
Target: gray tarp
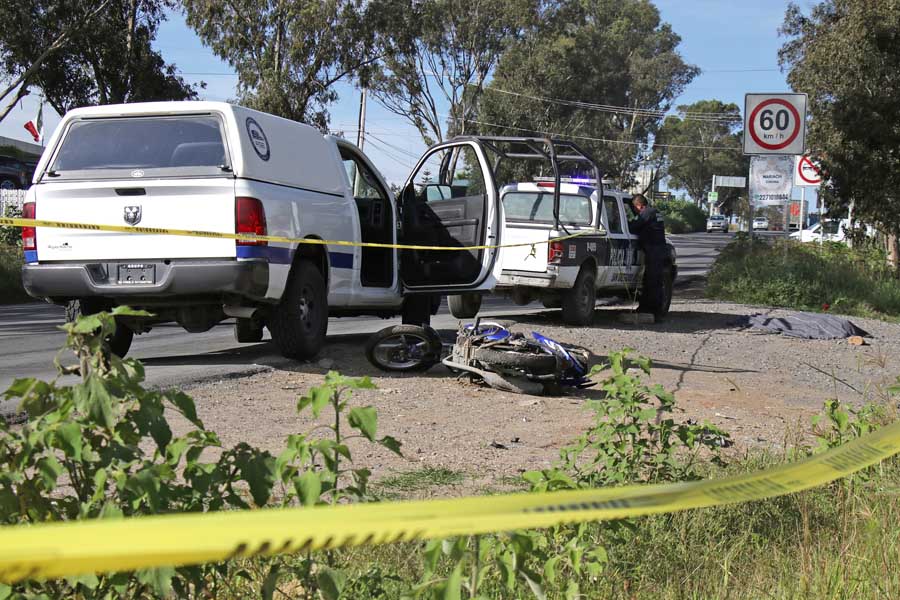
[(813, 326)]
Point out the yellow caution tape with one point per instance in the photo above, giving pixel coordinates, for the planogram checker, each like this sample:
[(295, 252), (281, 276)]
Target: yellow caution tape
[(65, 549), (16, 222)]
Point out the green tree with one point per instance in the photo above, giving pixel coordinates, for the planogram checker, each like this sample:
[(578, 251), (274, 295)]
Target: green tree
[(82, 53), (289, 54), (846, 55), (703, 140), (439, 56), (602, 72)]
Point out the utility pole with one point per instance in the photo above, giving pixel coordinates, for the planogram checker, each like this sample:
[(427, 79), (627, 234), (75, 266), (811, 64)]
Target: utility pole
[(361, 127)]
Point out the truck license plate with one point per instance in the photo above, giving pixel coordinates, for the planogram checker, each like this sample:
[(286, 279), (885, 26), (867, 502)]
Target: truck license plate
[(137, 274)]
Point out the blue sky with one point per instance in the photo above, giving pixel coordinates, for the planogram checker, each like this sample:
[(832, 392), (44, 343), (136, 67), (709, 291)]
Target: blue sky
[(734, 42)]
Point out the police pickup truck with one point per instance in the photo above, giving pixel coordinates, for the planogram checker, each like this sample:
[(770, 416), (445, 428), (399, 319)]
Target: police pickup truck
[(602, 259), (216, 167)]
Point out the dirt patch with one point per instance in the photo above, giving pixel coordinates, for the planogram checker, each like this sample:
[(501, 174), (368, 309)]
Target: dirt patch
[(756, 386)]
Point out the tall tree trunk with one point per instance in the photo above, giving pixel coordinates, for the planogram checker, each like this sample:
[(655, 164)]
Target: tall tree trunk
[(893, 241), (129, 50)]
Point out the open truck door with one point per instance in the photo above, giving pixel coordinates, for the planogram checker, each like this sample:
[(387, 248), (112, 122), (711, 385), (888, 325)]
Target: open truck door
[(450, 200)]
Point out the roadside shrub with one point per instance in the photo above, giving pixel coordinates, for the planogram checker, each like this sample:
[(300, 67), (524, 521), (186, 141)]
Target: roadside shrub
[(853, 281), (11, 236), (11, 290), (103, 448), (682, 216)]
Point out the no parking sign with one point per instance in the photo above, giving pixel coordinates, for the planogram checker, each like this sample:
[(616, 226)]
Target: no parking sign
[(774, 123)]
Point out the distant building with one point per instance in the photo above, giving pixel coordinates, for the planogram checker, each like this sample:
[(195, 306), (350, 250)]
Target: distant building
[(30, 150)]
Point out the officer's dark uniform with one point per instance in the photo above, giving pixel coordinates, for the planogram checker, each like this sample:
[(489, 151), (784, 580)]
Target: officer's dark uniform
[(650, 229)]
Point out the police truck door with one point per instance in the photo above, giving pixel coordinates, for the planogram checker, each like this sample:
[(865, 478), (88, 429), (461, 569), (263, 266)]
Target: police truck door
[(450, 200)]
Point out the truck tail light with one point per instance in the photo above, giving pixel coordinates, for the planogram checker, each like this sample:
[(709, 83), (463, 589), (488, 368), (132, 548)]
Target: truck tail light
[(554, 252), (249, 217), (29, 234)]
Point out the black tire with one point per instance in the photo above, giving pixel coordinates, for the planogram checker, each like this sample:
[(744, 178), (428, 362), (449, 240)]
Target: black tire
[(119, 342), (668, 284), (299, 322), (578, 303), (426, 344), (537, 363), (554, 302), (247, 331), (464, 306)]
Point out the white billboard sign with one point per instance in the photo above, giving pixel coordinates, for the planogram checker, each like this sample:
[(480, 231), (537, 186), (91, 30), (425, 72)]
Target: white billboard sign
[(774, 123), (806, 172), (771, 178)]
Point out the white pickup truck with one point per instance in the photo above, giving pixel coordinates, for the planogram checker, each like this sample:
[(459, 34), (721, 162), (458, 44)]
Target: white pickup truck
[(211, 166)]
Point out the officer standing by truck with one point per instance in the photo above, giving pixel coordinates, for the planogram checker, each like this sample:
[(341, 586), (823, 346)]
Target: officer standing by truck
[(650, 229)]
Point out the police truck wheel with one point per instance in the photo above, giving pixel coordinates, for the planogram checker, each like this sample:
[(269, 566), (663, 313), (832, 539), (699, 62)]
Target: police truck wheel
[(578, 303), (464, 306), (119, 342), (300, 320)]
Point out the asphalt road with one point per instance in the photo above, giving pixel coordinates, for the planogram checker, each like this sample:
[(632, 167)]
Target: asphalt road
[(29, 338)]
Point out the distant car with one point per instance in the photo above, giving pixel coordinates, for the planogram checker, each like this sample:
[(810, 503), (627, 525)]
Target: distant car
[(14, 174), (760, 223), (716, 222)]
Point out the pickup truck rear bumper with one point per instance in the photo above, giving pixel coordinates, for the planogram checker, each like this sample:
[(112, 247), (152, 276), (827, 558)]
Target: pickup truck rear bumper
[(554, 277), (62, 281)]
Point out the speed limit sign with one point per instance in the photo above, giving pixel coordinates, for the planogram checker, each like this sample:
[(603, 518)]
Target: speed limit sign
[(774, 123)]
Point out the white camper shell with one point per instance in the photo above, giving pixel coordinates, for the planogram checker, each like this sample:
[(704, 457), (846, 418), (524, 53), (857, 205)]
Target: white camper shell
[(212, 166)]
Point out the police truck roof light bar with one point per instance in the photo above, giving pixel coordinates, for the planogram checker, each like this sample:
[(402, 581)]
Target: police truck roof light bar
[(540, 149)]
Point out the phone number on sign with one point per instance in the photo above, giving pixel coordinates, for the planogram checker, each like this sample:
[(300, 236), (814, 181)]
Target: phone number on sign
[(769, 197)]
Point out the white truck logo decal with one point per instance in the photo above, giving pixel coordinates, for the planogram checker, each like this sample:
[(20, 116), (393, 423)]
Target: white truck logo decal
[(258, 139)]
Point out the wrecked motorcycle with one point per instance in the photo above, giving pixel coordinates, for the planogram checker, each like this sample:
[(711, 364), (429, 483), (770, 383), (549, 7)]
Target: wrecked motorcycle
[(485, 351)]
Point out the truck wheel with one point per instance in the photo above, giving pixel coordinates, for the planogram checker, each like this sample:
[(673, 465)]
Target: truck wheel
[(119, 343), (464, 306), (300, 320), (578, 303), (248, 331)]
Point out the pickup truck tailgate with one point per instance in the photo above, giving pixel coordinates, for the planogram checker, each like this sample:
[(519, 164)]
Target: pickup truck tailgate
[(525, 258), (205, 204)]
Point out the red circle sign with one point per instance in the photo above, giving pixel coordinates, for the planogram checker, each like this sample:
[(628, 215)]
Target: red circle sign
[(806, 161), (790, 138)]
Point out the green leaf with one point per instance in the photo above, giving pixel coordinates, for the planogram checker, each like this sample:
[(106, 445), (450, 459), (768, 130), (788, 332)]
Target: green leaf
[(50, 470), (127, 311), (331, 583), (318, 398), (365, 419), (550, 568), (159, 579), (69, 440), (453, 587), (185, 405), (88, 324), (5, 591), (309, 487), (572, 590)]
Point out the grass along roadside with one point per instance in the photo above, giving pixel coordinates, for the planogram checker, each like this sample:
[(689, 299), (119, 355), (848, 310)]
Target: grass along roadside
[(806, 277)]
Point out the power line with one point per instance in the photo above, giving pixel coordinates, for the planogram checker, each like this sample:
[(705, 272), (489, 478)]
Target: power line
[(623, 110), (593, 139)]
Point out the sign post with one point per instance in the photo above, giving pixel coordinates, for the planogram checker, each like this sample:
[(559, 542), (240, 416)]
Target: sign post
[(774, 124)]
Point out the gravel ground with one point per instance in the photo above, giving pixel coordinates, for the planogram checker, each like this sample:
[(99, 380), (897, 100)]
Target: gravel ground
[(762, 388)]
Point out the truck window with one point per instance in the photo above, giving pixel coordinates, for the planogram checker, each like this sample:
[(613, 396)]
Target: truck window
[(613, 216), (157, 146), (362, 180), (538, 207), (447, 174)]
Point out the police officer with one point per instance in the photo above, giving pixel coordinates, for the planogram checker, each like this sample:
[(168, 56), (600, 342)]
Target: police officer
[(651, 232)]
